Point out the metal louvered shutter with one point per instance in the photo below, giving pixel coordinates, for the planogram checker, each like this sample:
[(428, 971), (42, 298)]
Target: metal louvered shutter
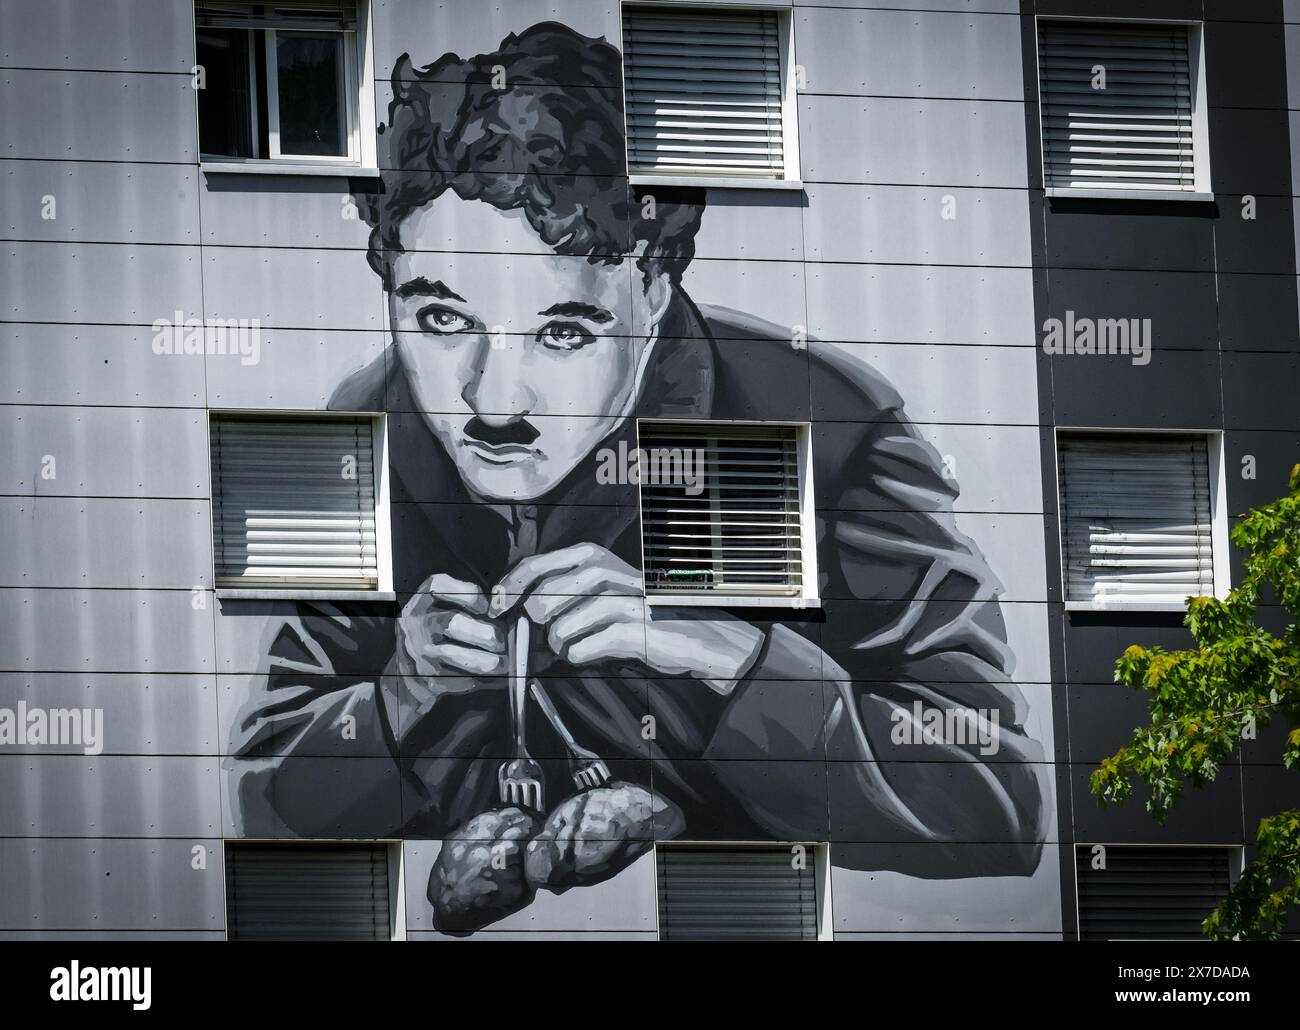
[(311, 15), (1138, 132), (304, 892), (1149, 893), (739, 892), (720, 509), (293, 502), (703, 92), (1135, 519)]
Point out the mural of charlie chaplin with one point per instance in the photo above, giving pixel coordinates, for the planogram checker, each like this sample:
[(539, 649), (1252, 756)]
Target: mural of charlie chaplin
[(560, 319)]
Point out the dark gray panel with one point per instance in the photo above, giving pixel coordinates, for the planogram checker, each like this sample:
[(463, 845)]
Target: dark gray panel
[(1103, 717), (1120, 234), (1180, 304), (1258, 312), (1259, 391), (1094, 640), (1249, 151), (1211, 815), (744, 800), (1245, 65), (1274, 454), (1111, 392), (1264, 243)]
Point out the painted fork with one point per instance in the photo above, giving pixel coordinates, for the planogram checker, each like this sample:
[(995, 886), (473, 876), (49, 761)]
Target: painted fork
[(520, 779), (585, 766)]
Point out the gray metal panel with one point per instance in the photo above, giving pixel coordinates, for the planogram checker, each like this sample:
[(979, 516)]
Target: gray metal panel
[(90, 282), (106, 35), (143, 714), (755, 224), (736, 893), (150, 203), (105, 631), (292, 289), (307, 892), (101, 888), (771, 290), (97, 364), (945, 304), (110, 796), (867, 896), (98, 116), (916, 225), (900, 54), (82, 542), (1149, 893), (104, 452), (280, 211), (916, 142), (292, 368)]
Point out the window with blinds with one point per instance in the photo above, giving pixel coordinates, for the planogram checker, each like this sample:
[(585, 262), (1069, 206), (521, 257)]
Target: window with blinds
[(1136, 519), (307, 892), (736, 893), (1150, 893), (704, 92), (721, 509), (1120, 106), (293, 502)]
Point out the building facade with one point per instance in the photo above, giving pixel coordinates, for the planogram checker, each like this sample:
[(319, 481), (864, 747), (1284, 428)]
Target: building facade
[(626, 470)]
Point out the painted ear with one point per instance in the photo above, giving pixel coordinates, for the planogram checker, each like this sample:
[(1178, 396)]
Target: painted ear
[(659, 293)]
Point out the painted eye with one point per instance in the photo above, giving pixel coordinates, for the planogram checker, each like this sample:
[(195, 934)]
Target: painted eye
[(443, 321), (564, 336)]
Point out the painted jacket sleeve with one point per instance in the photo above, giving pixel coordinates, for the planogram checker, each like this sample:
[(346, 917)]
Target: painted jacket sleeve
[(924, 626), (316, 749)]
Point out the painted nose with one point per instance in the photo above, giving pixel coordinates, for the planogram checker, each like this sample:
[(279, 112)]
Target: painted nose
[(498, 391)]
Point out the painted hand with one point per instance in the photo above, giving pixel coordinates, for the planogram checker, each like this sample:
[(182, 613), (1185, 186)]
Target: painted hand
[(445, 642), (591, 604)]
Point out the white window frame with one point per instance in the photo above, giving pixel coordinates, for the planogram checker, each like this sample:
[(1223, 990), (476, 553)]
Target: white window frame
[(383, 589), (821, 856), (1200, 117), (1222, 564), (361, 129), (808, 596), (790, 179)]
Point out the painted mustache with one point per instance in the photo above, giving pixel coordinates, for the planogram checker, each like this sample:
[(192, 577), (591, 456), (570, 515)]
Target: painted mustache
[(519, 432)]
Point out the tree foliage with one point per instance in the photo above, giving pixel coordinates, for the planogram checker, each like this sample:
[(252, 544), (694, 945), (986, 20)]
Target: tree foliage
[(1236, 680)]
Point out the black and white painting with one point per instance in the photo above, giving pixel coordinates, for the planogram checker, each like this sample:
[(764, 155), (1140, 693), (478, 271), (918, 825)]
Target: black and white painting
[(521, 701)]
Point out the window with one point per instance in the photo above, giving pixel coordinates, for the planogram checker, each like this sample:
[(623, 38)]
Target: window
[(1141, 523), (709, 94), (282, 81), (737, 892), (723, 512), (308, 892), (1149, 893), (1123, 109), (294, 503)]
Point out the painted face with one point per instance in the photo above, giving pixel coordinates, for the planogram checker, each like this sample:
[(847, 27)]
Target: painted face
[(522, 360)]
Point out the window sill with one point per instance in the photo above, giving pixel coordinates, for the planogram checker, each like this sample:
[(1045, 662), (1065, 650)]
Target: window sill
[(1129, 606), (730, 601), (1079, 193), (301, 594), (715, 182), (345, 171)]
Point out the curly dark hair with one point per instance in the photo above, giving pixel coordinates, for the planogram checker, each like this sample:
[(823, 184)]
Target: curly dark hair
[(550, 143)]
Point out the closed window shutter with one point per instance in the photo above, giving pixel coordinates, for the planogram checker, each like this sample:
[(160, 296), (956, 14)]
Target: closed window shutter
[(1138, 132), (720, 509), (1149, 893), (303, 892), (736, 893), (309, 15), (703, 92), (293, 502), (1135, 516)]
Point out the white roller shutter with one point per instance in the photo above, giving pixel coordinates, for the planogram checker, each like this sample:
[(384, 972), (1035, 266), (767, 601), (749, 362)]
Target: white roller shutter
[(735, 527), (293, 502), (703, 92), (1138, 132), (1136, 519)]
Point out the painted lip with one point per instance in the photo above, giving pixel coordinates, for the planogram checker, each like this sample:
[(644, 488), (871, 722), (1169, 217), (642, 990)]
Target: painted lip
[(500, 454)]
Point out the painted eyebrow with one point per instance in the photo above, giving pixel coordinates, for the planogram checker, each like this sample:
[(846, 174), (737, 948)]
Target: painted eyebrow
[(575, 309), (421, 287)]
